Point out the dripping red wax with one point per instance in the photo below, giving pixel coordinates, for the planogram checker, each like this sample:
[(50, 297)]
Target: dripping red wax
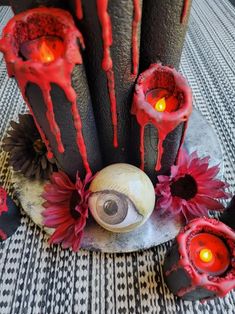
[(78, 8), (158, 76), (107, 63), (135, 24), (3, 200), (59, 23), (184, 11), (220, 285)]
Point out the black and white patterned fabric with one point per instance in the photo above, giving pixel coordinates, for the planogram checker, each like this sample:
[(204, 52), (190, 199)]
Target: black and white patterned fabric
[(38, 279)]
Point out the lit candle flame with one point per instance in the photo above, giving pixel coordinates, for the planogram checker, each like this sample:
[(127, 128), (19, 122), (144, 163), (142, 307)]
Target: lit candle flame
[(46, 53), (161, 105), (206, 255)]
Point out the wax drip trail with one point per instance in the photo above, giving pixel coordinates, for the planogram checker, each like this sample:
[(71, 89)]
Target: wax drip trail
[(107, 63), (3, 201), (217, 285), (162, 134), (135, 24), (182, 141), (145, 115), (3, 236), (78, 8), (44, 74), (184, 11)]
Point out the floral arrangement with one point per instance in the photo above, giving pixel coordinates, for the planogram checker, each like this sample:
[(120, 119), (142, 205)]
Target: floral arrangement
[(191, 188), (28, 153), (66, 209)]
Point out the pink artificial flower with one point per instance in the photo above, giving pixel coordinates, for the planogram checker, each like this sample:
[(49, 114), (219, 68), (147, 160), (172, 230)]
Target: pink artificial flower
[(191, 188), (66, 209)]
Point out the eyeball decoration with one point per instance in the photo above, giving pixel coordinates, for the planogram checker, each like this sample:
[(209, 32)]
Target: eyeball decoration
[(122, 198)]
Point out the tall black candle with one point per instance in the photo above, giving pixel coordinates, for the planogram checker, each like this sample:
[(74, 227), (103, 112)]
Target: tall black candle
[(54, 87), (163, 29), (23, 5), (111, 31), (162, 104)]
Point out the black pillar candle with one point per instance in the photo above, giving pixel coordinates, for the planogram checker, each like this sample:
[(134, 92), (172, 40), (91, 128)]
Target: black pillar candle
[(228, 216), (111, 31), (53, 82), (200, 264), (23, 5), (163, 29), (162, 105)]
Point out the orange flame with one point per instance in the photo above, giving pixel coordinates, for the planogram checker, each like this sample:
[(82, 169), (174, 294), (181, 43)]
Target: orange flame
[(161, 105), (46, 54), (206, 255)]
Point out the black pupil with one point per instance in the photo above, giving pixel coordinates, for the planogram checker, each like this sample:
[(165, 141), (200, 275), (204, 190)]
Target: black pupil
[(110, 207)]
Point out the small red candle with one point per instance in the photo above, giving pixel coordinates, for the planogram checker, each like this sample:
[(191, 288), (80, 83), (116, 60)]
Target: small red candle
[(44, 49), (201, 263), (162, 100), (209, 254)]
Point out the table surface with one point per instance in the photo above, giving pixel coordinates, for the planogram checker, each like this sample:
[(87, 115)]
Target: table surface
[(36, 278)]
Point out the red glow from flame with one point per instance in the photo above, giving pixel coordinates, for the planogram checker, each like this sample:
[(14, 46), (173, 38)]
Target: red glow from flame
[(44, 49), (46, 54), (209, 254), (162, 100)]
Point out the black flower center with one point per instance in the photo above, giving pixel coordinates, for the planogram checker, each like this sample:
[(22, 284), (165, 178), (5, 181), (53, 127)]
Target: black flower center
[(74, 200), (185, 187), (39, 147)]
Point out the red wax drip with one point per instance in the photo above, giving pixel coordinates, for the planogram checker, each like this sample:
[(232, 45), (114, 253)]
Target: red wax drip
[(51, 119), (184, 11), (182, 141), (165, 122), (43, 74), (107, 63), (3, 201), (3, 236), (142, 146), (79, 11), (135, 23), (220, 285), (71, 95)]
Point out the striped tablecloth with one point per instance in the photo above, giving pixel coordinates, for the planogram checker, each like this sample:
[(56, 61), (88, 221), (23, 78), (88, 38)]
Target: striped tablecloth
[(36, 278)]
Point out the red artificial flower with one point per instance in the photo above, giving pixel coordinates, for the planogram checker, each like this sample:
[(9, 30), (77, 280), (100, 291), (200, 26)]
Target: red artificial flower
[(66, 209), (191, 188)]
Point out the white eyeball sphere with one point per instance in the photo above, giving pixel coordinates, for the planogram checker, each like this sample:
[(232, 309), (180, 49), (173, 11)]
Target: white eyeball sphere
[(122, 198)]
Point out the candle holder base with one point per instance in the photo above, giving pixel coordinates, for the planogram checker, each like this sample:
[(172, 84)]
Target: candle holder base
[(158, 229)]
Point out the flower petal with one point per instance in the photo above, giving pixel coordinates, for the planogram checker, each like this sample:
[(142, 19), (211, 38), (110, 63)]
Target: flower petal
[(62, 180), (59, 233)]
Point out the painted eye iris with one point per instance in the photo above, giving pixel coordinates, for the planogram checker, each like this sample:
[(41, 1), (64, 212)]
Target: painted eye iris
[(111, 208), (114, 210)]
